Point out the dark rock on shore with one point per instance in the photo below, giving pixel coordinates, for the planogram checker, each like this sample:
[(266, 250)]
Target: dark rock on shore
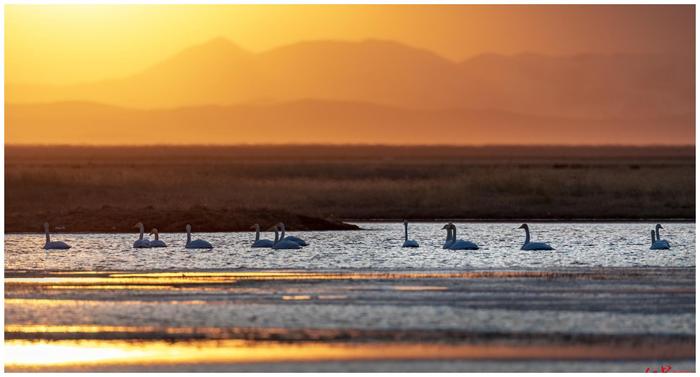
[(202, 219)]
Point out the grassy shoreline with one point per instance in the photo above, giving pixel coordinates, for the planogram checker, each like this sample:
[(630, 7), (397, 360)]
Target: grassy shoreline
[(322, 187)]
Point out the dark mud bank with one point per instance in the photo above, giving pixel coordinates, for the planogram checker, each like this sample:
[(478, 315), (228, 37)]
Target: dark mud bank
[(202, 219)]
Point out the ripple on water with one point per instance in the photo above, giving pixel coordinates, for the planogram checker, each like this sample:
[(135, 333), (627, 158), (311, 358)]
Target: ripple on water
[(378, 246)]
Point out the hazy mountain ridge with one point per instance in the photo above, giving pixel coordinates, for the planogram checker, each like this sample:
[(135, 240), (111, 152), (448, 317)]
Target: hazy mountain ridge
[(388, 73), (318, 121)]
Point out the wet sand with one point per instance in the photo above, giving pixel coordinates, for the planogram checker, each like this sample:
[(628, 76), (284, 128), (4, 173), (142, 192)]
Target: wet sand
[(572, 319)]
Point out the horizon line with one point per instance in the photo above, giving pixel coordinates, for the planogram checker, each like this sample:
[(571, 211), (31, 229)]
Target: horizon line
[(341, 145)]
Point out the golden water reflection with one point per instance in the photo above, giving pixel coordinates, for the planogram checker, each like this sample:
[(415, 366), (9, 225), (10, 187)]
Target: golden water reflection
[(23, 354), (161, 278)]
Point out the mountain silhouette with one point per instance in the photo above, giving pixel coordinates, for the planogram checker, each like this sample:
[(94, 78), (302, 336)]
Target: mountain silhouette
[(641, 86), (316, 121)]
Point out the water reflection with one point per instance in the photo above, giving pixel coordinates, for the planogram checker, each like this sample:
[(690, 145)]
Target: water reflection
[(21, 354)]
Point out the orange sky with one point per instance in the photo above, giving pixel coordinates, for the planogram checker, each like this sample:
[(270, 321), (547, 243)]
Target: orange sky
[(396, 74), (63, 44)]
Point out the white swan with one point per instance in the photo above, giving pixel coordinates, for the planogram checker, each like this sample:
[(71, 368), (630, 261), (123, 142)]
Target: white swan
[(53, 245), (196, 244), (156, 242), (532, 245), (658, 238), (258, 242), (656, 244), (461, 244), (407, 242), (141, 242), (448, 241), (282, 243), (296, 240)]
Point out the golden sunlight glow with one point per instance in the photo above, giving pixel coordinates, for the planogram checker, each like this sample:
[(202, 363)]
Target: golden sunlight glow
[(348, 74), (21, 353), (64, 44)]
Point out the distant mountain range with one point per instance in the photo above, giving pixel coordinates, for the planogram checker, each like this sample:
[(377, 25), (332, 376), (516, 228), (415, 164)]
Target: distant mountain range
[(315, 91), (314, 121)]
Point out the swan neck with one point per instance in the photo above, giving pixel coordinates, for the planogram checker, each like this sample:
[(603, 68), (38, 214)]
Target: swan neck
[(658, 235), (156, 235), (46, 232), (189, 236), (277, 236), (527, 235), (405, 231), (141, 231), (257, 233), (652, 238)]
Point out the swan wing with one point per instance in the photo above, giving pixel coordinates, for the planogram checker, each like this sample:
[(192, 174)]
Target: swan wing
[(410, 243), (296, 240), (56, 245), (139, 244), (463, 245), (285, 244), (536, 246), (660, 245), (158, 243), (262, 243), (199, 244)]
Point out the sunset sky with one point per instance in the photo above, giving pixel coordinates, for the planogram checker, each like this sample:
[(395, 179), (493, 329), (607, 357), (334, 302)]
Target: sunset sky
[(69, 44), (473, 69)]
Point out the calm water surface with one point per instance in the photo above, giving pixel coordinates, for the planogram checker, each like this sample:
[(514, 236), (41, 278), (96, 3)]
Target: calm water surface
[(376, 247)]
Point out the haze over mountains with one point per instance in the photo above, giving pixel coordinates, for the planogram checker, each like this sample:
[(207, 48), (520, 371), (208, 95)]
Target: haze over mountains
[(372, 91)]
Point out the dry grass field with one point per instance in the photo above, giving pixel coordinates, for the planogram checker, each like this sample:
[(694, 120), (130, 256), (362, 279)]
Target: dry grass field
[(229, 188)]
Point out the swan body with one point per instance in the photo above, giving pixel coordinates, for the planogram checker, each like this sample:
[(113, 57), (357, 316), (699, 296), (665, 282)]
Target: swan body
[(141, 243), (407, 242), (448, 241), (156, 242), (283, 243), (53, 245), (658, 244), (663, 244), (258, 242), (460, 244), (532, 245), (195, 244), (296, 240)]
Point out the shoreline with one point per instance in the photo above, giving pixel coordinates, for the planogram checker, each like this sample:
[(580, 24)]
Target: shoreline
[(351, 225)]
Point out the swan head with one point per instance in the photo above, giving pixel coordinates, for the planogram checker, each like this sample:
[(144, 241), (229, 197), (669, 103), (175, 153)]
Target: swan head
[(447, 226), (658, 226), (154, 231), (188, 227), (524, 226), (138, 225), (46, 226)]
